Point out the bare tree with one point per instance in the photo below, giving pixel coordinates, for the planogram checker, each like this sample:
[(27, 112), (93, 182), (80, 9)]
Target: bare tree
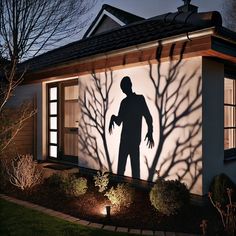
[(94, 103), (28, 27)]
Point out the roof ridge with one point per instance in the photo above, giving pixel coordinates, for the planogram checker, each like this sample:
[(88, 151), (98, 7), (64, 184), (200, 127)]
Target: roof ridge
[(107, 6), (122, 15)]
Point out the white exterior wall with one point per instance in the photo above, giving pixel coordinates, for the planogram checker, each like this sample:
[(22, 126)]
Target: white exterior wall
[(181, 154), (213, 124), (198, 158), (31, 92)]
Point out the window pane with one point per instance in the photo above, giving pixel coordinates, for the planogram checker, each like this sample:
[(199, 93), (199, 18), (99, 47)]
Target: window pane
[(53, 122), (229, 116), (71, 114), (229, 138), (53, 93), (53, 151), (229, 91), (53, 137), (53, 108), (71, 92)]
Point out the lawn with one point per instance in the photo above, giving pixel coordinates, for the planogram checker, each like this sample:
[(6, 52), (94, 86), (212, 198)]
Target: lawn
[(18, 220)]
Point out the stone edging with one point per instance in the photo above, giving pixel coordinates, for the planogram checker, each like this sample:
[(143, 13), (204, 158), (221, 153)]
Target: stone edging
[(75, 220)]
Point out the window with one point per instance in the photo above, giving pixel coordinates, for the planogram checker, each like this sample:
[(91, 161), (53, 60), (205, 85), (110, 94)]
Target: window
[(53, 121), (230, 117)]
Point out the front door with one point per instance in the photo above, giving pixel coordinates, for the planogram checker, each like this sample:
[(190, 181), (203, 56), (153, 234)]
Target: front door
[(69, 121), (63, 114)]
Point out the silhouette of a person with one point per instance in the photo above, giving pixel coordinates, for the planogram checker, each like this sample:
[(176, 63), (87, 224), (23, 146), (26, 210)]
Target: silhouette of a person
[(132, 109)]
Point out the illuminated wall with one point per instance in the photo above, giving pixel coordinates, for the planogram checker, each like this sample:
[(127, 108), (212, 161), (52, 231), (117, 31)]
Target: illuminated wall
[(173, 94)]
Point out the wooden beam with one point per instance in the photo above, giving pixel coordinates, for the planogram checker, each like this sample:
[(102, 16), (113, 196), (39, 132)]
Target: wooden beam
[(172, 51)]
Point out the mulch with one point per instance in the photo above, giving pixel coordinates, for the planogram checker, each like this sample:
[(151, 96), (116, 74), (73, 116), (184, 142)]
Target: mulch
[(140, 214)]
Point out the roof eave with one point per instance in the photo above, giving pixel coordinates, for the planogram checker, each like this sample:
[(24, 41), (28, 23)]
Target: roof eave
[(186, 37)]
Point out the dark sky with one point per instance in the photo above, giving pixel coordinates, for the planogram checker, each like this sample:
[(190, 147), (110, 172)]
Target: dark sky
[(149, 8)]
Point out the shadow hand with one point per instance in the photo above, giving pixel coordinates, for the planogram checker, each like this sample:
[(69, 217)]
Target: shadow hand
[(150, 141), (111, 124)]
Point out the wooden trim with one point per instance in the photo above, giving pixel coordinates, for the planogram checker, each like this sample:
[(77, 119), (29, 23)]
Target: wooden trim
[(98, 21), (196, 47), (35, 128), (216, 54)]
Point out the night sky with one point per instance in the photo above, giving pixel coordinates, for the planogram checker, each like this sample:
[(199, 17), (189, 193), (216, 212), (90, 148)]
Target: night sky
[(146, 9), (150, 8)]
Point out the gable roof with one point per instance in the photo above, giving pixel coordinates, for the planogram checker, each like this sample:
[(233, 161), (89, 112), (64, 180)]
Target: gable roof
[(156, 28), (121, 17), (143, 32)]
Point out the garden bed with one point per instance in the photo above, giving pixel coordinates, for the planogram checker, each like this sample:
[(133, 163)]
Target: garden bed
[(140, 214)]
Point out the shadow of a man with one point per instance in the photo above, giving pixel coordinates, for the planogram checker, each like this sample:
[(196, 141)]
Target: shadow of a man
[(132, 109)]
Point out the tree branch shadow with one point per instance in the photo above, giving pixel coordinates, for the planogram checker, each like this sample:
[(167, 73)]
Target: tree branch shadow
[(175, 102), (94, 103)]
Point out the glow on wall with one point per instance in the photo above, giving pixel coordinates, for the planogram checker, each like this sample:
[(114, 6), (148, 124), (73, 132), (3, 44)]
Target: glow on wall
[(165, 134)]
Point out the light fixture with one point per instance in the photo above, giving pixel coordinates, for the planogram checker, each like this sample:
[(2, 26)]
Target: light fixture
[(108, 211)]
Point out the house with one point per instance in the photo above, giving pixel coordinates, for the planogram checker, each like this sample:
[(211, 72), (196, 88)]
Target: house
[(164, 87)]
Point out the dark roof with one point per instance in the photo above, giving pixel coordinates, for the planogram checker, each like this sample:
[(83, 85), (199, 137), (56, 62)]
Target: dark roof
[(124, 16), (155, 28)]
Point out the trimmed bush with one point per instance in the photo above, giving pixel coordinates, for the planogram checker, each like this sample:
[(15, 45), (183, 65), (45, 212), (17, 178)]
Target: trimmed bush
[(218, 188), (169, 196), (68, 184), (101, 180), (75, 186), (122, 195), (56, 181)]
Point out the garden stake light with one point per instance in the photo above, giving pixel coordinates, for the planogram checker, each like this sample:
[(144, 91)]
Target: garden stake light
[(108, 211)]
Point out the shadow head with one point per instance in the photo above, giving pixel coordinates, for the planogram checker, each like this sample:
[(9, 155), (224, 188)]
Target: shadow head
[(126, 85)]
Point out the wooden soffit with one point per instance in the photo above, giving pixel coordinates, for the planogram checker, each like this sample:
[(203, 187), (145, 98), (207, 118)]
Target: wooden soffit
[(204, 46)]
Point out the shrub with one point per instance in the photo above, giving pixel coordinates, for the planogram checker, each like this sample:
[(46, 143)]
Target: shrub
[(4, 177), (218, 187), (75, 186), (56, 181), (68, 184), (227, 213), (24, 173), (122, 195), (101, 180), (168, 197)]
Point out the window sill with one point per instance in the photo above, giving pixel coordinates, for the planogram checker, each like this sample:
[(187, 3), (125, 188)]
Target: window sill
[(229, 159)]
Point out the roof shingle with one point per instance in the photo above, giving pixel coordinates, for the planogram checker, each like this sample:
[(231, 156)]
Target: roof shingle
[(155, 28)]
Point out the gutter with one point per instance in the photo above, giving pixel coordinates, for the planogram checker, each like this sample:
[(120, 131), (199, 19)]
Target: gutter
[(155, 43), (173, 39)]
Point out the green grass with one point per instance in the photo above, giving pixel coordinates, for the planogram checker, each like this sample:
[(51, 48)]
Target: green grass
[(21, 221)]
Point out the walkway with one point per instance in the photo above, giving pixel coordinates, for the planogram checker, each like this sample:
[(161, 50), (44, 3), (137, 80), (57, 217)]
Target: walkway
[(88, 223)]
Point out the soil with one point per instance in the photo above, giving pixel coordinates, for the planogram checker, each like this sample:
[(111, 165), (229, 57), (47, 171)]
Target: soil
[(140, 214)]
